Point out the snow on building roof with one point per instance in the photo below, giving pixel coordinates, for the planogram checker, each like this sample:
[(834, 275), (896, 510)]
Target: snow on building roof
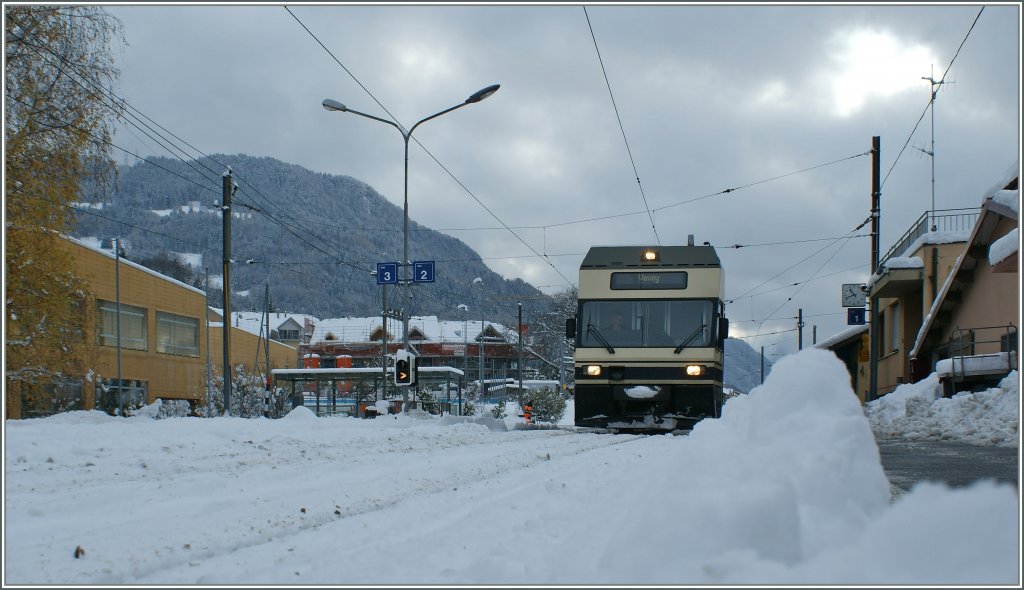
[(841, 336), (1012, 172), (432, 329), (110, 255), (1008, 199), (904, 262), (250, 321), (1002, 248), (940, 237)]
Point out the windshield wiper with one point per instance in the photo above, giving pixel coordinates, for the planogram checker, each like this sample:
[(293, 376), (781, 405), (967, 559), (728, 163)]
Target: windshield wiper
[(699, 329), (592, 329)]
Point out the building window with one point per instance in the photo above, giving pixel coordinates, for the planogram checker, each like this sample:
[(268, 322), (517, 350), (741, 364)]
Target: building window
[(177, 334), (47, 399), (133, 325), (288, 334), (894, 327), (112, 395)]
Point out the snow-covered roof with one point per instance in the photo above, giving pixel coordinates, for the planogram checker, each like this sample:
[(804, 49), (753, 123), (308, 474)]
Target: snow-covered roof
[(110, 255), (1002, 248), (1008, 199), (433, 329), (939, 237), (841, 336), (250, 321), (904, 262), (1012, 172)]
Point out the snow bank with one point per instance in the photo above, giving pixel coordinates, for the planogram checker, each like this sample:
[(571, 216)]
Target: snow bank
[(918, 411)]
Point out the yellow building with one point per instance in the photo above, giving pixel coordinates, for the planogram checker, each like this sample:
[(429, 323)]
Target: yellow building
[(246, 347), (163, 346), (938, 291)]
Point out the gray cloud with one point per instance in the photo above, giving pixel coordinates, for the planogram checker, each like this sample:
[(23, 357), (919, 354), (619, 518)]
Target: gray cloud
[(711, 97)]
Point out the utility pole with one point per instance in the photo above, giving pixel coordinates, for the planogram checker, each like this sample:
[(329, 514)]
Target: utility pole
[(117, 289), (228, 189), (266, 352), (762, 365), (481, 347), (814, 334), (384, 341), (800, 329), (520, 362), (209, 369), (876, 213), (561, 366)]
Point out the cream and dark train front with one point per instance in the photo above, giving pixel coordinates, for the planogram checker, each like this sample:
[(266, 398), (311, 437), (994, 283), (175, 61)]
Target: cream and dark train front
[(650, 335)]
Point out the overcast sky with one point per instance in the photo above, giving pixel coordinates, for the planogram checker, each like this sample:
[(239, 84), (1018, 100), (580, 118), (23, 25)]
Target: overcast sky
[(709, 98)]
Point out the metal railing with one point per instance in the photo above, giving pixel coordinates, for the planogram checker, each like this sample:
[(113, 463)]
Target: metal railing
[(964, 341), (940, 220)]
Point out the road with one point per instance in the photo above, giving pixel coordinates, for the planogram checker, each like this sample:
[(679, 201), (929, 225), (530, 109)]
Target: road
[(954, 463)]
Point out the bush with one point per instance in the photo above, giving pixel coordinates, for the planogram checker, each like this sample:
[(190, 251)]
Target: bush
[(548, 405)]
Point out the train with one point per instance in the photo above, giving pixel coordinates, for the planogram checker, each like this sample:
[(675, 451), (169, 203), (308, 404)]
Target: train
[(649, 330)]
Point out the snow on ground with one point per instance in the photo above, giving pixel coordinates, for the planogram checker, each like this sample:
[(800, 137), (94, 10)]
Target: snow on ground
[(785, 488), (918, 411)]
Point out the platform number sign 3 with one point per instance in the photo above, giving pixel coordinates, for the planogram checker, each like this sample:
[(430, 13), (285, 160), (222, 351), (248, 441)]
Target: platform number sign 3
[(387, 273)]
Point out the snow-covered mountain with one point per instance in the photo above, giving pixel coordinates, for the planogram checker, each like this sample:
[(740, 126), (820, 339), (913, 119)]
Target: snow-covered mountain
[(743, 366)]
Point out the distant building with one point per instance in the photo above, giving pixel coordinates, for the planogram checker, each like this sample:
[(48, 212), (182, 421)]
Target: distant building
[(248, 346), (852, 347), (435, 342)]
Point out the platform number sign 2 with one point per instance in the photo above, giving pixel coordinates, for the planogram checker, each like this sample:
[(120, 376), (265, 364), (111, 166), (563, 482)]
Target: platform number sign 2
[(423, 271), (387, 273)]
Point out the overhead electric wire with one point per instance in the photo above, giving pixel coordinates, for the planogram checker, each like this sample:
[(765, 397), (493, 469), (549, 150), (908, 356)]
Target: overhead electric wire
[(721, 192), (278, 222), (622, 128), (111, 219), (114, 99), (736, 188), (852, 268), (787, 269), (931, 101), (800, 288)]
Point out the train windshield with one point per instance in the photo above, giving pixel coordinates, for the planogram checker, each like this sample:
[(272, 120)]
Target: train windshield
[(649, 323)]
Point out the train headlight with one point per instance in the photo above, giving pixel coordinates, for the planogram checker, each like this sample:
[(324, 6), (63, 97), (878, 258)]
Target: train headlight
[(592, 370), (694, 370)]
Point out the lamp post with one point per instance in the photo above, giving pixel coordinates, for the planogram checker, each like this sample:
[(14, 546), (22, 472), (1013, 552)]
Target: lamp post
[(333, 105), (465, 336)]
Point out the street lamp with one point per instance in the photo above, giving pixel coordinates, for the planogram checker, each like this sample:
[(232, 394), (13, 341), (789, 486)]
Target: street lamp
[(465, 336), (333, 105)]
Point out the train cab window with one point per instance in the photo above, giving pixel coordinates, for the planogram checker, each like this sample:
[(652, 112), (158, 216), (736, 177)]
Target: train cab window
[(647, 323)]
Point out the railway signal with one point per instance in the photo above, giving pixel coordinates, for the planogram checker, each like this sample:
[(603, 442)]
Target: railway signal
[(405, 368)]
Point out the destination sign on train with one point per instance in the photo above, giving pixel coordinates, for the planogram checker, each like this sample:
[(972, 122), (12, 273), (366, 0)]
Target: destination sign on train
[(649, 280)]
